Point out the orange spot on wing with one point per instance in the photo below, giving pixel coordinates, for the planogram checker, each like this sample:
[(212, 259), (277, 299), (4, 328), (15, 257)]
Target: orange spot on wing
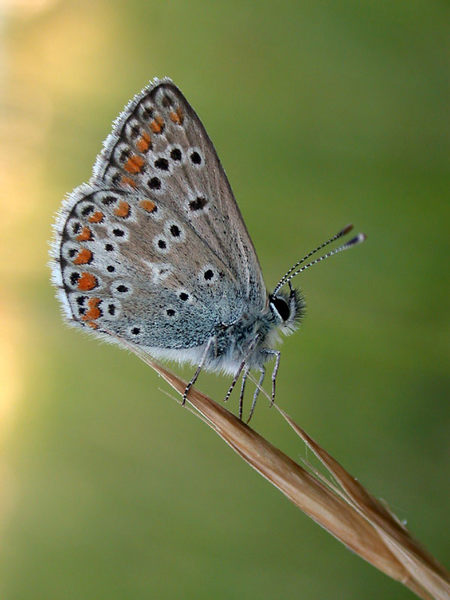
[(123, 210), (134, 164), (177, 116), (157, 124), (128, 181), (85, 235), (83, 257), (87, 282), (147, 205), (97, 217), (93, 311), (93, 325), (144, 142)]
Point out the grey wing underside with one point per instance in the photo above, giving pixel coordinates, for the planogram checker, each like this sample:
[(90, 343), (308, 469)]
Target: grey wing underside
[(220, 225), (160, 182)]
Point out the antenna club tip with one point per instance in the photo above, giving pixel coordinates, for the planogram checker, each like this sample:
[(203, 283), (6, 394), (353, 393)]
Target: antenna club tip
[(358, 239), (346, 229)]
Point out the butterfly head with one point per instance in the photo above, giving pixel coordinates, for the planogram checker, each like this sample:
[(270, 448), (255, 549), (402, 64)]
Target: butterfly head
[(287, 309)]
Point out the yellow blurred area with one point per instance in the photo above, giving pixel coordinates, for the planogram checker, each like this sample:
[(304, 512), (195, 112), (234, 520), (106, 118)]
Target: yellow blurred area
[(29, 98)]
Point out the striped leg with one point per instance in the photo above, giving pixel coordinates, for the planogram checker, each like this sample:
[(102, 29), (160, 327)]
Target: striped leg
[(241, 395), (197, 372), (256, 394), (277, 355)]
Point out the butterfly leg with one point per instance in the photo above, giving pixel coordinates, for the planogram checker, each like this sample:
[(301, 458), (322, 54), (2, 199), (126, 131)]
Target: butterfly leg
[(241, 366), (241, 395), (277, 355), (256, 394), (235, 378), (198, 370)]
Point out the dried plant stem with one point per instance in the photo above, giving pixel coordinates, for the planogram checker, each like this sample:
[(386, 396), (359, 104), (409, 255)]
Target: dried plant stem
[(350, 513)]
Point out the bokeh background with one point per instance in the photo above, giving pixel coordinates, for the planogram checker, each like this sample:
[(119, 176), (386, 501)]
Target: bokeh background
[(323, 113)]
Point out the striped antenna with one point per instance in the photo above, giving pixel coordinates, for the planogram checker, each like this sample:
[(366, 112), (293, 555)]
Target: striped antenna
[(293, 271)]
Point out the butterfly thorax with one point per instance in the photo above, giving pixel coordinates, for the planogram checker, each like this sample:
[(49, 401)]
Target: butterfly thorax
[(251, 338)]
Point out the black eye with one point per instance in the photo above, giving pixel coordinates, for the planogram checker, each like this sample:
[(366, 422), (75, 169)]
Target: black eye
[(282, 307)]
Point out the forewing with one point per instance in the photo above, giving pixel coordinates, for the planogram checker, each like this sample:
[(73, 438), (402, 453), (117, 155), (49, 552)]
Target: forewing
[(159, 146)]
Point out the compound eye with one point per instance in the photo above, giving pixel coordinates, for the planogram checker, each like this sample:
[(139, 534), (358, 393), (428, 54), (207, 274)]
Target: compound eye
[(282, 308)]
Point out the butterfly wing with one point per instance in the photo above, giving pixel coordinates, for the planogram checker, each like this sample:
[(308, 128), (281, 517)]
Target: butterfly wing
[(159, 145), (154, 250), (128, 266)]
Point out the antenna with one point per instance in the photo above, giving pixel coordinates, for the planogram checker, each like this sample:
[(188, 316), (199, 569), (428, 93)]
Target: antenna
[(292, 272)]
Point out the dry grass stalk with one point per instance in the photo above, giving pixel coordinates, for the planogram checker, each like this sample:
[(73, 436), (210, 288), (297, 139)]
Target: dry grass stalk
[(349, 513)]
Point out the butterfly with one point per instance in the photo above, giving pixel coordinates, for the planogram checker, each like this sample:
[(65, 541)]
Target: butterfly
[(152, 252)]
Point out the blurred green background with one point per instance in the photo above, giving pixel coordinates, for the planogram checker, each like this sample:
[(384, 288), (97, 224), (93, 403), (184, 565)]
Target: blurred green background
[(323, 113)]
